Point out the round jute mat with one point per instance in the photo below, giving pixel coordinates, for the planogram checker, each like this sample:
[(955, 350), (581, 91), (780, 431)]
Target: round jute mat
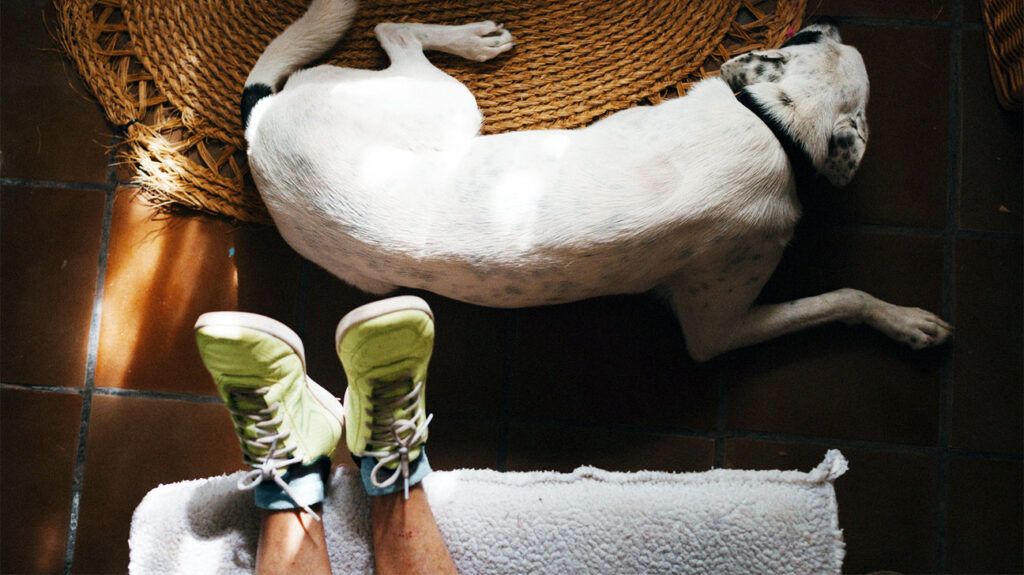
[(171, 71)]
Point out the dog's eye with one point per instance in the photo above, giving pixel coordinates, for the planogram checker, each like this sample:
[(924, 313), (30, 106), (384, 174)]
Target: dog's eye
[(772, 56)]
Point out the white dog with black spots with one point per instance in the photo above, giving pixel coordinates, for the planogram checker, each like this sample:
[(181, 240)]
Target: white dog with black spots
[(382, 178)]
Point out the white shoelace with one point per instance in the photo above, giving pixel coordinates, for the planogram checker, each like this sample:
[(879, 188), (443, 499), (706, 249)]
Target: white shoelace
[(392, 438), (272, 463)]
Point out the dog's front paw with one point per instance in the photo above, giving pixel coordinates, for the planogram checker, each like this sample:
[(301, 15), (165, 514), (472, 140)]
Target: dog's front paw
[(913, 326)]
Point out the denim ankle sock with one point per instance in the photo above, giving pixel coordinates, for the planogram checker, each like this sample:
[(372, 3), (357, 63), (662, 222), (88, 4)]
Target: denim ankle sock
[(307, 482), (418, 469)]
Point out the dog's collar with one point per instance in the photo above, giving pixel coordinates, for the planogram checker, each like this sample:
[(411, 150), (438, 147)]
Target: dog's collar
[(799, 159)]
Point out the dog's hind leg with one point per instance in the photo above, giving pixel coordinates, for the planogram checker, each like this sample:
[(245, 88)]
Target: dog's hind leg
[(405, 43), (423, 108)]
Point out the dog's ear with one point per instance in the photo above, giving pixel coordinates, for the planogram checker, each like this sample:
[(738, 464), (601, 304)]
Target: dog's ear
[(846, 148), (827, 26)]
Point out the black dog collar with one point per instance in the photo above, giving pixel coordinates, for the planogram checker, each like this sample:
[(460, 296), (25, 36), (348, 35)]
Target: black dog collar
[(799, 159)]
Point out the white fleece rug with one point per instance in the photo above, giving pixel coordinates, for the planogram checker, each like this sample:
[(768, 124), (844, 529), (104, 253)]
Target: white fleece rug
[(590, 521)]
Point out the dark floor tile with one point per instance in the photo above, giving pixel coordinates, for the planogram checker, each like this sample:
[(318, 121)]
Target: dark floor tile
[(903, 270), (162, 274), (467, 368), (972, 10), (463, 443), (327, 301), (902, 179), (914, 9), (534, 447), (38, 445), (887, 502), (834, 382), (838, 380), (52, 130), (51, 249), (608, 360), (169, 441), (991, 184), (985, 533), (987, 393)]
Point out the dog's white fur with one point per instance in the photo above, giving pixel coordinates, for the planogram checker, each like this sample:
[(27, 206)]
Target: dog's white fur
[(382, 178)]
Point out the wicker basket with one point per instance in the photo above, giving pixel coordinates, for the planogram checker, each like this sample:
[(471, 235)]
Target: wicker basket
[(1004, 22)]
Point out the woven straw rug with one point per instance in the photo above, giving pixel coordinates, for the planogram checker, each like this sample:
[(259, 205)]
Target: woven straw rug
[(171, 71)]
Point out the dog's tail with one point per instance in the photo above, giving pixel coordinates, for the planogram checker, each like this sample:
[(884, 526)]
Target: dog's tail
[(308, 37)]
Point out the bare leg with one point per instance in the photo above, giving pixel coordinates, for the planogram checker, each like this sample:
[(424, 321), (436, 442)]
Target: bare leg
[(291, 542), (406, 540)]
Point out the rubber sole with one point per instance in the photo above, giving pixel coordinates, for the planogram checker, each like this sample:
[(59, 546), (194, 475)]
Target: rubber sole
[(253, 321), (376, 309)]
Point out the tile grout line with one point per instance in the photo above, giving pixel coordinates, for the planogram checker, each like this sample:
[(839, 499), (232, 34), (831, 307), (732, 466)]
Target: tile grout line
[(949, 237), (41, 388), (90, 378), (721, 423), (302, 297), (897, 23), (971, 234), (162, 395), (112, 392), (508, 343), (772, 437), (56, 184)]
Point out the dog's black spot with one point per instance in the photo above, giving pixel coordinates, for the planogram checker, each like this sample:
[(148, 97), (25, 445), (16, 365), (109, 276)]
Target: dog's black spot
[(759, 69), (774, 77), (250, 96), (784, 99), (805, 37)]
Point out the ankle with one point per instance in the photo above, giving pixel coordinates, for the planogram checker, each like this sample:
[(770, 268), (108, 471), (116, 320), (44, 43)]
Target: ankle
[(306, 487), (396, 485)]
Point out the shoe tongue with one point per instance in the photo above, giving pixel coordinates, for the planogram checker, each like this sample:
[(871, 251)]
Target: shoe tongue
[(394, 386), (247, 403)]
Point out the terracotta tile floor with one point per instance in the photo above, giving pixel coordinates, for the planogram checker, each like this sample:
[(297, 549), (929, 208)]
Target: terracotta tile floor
[(103, 395)]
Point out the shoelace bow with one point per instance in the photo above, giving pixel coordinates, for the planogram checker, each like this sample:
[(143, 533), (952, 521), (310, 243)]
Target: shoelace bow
[(393, 437), (273, 462)]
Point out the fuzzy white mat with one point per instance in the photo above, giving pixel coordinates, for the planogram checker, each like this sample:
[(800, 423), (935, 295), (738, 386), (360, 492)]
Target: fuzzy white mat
[(589, 521)]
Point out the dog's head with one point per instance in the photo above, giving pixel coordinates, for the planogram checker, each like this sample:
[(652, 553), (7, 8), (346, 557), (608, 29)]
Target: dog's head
[(816, 87)]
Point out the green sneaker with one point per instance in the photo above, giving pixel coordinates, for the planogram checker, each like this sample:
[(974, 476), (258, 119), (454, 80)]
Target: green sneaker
[(385, 347), (287, 425)]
